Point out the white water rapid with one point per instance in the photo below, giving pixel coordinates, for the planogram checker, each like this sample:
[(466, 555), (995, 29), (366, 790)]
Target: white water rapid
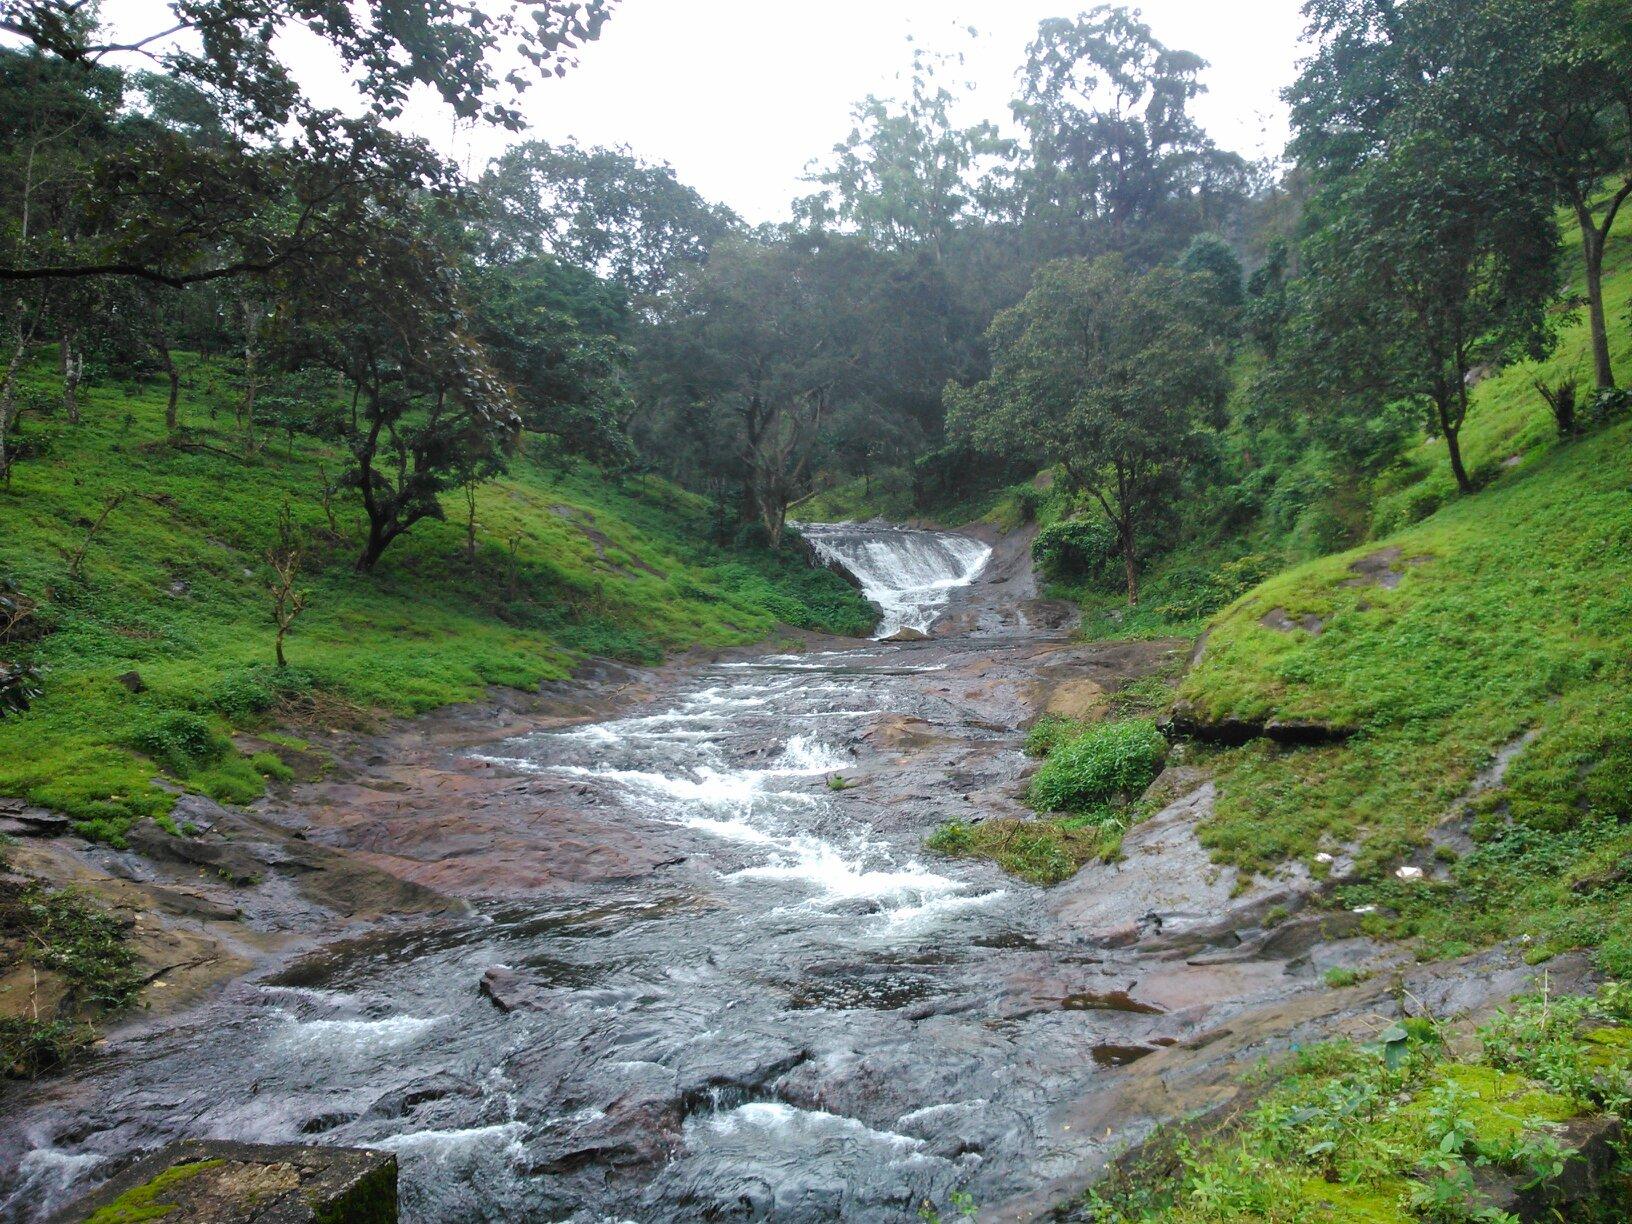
[(908, 575)]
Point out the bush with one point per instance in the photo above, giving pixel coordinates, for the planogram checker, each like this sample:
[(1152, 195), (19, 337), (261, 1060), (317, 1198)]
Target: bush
[(1107, 764), (241, 695), (1049, 732), (1078, 550), (182, 742)]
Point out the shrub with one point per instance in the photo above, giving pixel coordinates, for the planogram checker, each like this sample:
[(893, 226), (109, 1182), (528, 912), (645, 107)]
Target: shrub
[(1109, 763), (240, 695), (1049, 732), (1078, 550), (181, 742)]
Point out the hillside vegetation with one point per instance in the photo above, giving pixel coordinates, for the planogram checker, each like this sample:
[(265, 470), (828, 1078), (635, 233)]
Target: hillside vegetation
[(174, 586)]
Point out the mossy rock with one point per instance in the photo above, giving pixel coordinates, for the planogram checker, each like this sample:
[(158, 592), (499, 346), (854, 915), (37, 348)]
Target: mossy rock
[(213, 1182)]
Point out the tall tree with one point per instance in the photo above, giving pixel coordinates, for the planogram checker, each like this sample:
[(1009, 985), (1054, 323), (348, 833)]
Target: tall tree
[(1111, 153), (755, 354), (1435, 259), (424, 411), (1110, 374), (1548, 83), (173, 210), (906, 175), (602, 209)]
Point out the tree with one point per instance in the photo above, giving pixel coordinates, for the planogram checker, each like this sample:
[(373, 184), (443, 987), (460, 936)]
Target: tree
[(425, 412), (1541, 84), (1111, 153), (283, 558), (1546, 82), (1111, 375), (165, 208), (1435, 259), (549, 331), (751, 357), (903, 176), (601, 209)]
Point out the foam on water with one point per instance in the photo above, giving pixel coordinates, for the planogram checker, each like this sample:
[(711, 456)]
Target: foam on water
[(328, 1036), (909, 575)]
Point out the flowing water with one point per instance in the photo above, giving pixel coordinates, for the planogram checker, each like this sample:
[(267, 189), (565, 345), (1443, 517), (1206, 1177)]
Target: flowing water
[(803, 1017), (907, 574)]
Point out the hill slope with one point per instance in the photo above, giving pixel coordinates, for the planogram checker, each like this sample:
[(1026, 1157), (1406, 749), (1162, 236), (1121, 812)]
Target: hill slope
[(174, 587)]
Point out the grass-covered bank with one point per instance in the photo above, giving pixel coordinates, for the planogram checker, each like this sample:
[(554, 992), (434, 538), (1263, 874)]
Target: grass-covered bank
[(1412, 1126), (173, 586)]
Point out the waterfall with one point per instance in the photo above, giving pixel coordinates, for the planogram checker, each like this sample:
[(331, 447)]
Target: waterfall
[(908, 574)]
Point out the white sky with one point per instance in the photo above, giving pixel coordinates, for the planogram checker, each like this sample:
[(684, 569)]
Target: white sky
[(740, 95)]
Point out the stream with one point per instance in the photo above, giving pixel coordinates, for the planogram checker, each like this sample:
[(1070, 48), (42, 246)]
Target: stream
[(803, 1015)]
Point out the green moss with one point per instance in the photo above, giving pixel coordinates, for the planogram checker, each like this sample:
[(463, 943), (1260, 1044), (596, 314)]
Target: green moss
[(1316, 1199), (146, 1202), (1390, 1131)]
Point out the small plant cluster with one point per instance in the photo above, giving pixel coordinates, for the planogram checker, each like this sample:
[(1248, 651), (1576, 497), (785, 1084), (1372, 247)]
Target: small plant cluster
[(1396, 1129), (1101, 770), (62, 933)]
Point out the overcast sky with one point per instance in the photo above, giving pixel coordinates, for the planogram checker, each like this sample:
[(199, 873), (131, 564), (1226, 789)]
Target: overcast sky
[(740, 95)]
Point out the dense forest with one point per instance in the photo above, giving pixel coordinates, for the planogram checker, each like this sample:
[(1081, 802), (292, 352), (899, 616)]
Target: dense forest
[(303, 424)]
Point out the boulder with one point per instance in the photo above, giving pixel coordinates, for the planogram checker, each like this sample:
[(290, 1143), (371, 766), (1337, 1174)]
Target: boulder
[(907, 634), (215, 1182)]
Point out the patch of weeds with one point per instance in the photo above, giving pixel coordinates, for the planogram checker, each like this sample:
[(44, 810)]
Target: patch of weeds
[(1339, 976), (1043, 851), (61, 932), (271, 765), (1049, 732), (1109, 764)]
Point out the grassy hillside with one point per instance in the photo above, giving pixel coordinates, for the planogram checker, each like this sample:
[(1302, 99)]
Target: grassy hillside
[(174, 586), (1510, 625)]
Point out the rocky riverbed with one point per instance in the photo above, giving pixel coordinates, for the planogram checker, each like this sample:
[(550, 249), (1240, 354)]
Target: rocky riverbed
[(666, 945)]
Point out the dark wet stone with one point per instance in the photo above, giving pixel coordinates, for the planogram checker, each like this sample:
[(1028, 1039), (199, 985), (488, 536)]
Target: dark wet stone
[(132, 681)]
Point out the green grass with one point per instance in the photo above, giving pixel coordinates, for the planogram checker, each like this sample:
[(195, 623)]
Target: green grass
[(1512, 617), (569, 563), (1392, 1131)]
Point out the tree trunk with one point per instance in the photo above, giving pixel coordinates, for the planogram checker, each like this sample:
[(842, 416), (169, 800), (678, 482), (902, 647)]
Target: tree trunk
[(1130, 562), (161, 345), (8, 404), (1593, 252), (372, 549), (73, 370), (1453, 444)]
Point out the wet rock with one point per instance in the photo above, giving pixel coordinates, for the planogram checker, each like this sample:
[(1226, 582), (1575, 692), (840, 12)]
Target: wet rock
[(1186, 720), (132, 681), (34, 822), (215, 1182), (907, 634)]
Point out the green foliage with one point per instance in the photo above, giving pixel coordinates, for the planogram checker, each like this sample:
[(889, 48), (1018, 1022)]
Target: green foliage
[(1049, 732), (1109, 763), (1043, 851), (1079, 550), (182, 742), (1384, 1132)]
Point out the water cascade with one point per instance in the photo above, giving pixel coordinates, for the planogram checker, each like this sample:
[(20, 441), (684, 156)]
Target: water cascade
[(908, 574)]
